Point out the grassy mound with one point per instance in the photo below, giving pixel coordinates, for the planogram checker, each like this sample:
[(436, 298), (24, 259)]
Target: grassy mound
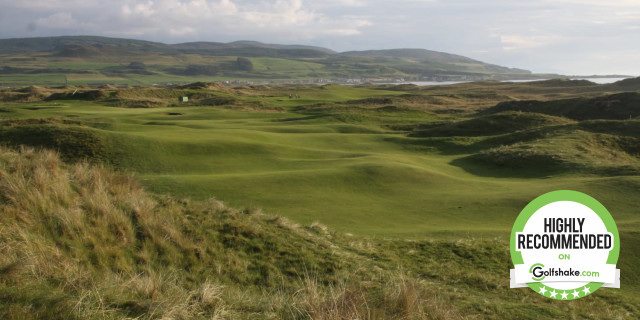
[(210, 99), (626, 84), (72, 139), (82, 242), (555, 83), (629, 128), (90, 95), (570, 151), (146, 98), (27, 94), (618, 106), (494, 124)]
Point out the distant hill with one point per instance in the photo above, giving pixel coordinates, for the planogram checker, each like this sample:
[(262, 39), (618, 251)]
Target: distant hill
[(90, 43), (410, 53), (213, 61), (452, 61), (202, 45), (48, 44)]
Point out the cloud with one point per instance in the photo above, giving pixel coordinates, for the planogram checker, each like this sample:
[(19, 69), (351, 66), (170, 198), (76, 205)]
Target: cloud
[(352, 3), (599, 3), (173, 20), (182, 31), (140, 9), (519, 42), (536, 34), (41, 5), (60, 20), (281, 13)]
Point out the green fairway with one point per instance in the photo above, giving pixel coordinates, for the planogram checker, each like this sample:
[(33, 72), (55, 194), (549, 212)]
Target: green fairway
[(339, 164)]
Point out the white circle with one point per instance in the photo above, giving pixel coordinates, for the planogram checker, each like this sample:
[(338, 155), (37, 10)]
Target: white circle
[(550, 257)]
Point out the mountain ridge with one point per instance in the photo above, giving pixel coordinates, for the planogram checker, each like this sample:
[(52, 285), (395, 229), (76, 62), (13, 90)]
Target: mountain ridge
[(44, 44), (134, 62)]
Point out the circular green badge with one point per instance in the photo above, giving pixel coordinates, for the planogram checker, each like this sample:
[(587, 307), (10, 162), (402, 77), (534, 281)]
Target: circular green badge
[(564, 246)]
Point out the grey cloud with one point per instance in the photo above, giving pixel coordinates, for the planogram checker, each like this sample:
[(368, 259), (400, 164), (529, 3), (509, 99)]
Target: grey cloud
[(567, 36)]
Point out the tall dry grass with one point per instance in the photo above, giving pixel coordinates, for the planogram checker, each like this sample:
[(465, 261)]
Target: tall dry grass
[(80, 241), (68, 238)]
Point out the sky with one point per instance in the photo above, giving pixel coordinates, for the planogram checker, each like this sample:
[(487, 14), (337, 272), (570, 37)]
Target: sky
[(571, 37)]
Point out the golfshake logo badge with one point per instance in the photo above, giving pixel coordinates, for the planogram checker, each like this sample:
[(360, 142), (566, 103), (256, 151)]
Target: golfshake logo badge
[(565, 245)]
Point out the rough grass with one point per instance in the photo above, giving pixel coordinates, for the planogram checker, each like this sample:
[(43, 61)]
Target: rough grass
[(73, 141), (575, 151), (79, 241), (618, 106), (500, 123)]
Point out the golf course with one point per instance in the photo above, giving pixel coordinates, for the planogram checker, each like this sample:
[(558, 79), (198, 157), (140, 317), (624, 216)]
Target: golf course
[(370, 180)]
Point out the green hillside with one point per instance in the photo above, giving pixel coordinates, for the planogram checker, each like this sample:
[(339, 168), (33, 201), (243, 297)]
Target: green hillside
[(432, 59), (82, 60), (51, 44)]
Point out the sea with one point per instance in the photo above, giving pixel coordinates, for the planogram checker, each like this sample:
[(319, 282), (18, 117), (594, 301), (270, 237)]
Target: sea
[(442, 83)]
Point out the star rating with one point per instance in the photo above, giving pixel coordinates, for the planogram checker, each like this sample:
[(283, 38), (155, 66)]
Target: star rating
[(543, 290), (554, 293)]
